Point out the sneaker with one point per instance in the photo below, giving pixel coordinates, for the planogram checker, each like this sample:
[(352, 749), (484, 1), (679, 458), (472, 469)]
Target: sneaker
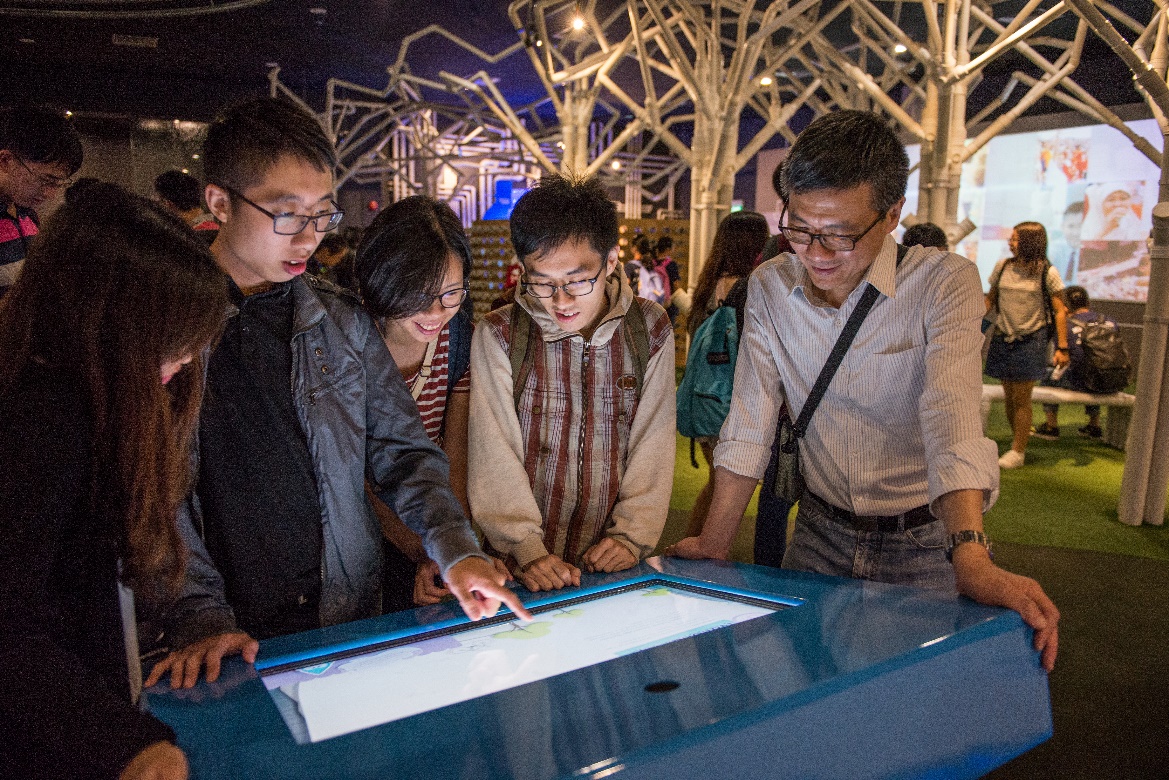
[(1045, 431), (1011, 459), (1091, 432)]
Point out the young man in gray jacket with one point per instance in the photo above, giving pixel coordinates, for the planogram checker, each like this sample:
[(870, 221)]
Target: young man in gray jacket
[(303, 405)]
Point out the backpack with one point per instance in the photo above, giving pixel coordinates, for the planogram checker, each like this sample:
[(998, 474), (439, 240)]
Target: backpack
[(650, 286), (704, 396), (1106, 367)]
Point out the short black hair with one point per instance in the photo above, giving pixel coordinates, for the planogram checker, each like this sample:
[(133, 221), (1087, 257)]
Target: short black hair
[(561, 209), (926, 234), (843, 150), (643, 246), (42, 135), (249, 137), (181, 190), (665, 244), (403, 255), (1077, 297)]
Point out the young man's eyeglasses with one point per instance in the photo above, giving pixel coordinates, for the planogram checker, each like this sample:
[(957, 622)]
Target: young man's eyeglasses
[(47, 180), (289, 224), (574, 289), (830, 241)]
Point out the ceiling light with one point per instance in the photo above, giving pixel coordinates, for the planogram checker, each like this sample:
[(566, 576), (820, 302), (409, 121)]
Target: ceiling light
[(68, 113), (900, 48), (765, 81), (185, 170), (194, 157), (616, 165), (578, 22), (27, 40)]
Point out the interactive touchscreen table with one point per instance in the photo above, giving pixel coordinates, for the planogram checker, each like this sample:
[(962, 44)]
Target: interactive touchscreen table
[(675, 669)]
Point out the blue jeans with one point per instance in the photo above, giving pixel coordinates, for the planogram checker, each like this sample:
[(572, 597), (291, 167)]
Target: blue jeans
[(908, 557)]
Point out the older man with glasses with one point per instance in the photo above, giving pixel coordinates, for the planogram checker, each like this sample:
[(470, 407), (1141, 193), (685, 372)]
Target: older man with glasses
[(895, 469), (39, 153)]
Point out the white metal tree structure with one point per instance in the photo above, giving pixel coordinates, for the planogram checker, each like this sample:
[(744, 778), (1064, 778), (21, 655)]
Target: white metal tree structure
[(918, 61), (701, 66), (572, 49), (414, 136), (1146, 476)]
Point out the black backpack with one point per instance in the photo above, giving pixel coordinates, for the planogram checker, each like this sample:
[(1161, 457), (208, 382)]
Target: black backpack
[(1106, 367)]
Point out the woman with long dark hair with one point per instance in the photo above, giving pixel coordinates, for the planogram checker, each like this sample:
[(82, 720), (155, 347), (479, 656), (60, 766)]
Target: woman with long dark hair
[(738, 243), (100, 384), (1027, 293)]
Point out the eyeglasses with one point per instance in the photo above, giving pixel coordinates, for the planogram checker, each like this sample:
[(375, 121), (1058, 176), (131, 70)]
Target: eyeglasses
[(290, 224), (574, 289), (452, 299), (46, 179), (830, 241)]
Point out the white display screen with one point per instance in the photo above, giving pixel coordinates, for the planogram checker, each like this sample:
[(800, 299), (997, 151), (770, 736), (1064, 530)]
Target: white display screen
[(329, 697)]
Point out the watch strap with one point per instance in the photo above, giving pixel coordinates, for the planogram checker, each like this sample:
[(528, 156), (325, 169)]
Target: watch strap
[(962, 537)]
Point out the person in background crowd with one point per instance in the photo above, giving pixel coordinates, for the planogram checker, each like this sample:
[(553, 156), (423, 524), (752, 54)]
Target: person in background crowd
[(571, 385), (738, 242), (40, 151), (897, 469), (334, 262), (181, 193), (926, 234), (1026, 293), (412, 268), (303, 405), (116, 299), (1079, 313)]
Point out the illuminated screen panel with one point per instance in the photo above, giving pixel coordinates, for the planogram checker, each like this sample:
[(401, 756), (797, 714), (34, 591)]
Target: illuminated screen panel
[(1088, 186), (331, 696)]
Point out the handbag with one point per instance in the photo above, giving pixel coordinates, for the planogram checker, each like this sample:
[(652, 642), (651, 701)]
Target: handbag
[(789, 480)]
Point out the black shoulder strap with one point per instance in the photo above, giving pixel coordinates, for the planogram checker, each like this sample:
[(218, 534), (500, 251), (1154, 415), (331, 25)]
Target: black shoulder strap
[(458, 357), (868, 298)]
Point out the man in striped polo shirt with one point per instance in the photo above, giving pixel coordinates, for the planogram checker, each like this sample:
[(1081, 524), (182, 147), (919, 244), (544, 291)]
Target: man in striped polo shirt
[(897, 469), (39, 152)]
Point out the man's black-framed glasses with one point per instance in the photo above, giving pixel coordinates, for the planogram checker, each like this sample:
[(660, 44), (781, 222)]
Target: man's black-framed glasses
[(46, 179), (833, 242), (289, 224), (573, 289)]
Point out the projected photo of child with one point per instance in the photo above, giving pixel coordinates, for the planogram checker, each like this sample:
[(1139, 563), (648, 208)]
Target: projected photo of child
[(1114, 212)]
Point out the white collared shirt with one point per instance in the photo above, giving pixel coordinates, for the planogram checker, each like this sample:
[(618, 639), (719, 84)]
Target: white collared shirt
[(899, 424)]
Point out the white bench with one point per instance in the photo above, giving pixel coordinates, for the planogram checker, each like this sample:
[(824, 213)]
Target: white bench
[(1119, 407)]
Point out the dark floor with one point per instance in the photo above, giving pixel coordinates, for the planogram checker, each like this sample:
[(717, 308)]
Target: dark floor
[(1110, 687)]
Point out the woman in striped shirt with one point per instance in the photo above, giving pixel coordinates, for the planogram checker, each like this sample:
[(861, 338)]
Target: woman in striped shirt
[(412, 268)]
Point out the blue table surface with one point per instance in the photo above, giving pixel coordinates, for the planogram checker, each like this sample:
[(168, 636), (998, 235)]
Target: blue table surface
[(841, 640)]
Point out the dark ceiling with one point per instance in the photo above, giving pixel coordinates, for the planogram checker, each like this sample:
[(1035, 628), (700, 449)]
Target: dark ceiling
[(198, 63)]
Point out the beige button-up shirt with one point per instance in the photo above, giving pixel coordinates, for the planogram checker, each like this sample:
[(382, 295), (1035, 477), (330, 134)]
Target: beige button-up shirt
[(899, 425)]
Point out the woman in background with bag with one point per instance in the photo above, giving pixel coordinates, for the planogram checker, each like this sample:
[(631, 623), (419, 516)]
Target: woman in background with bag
[(1027, 307)]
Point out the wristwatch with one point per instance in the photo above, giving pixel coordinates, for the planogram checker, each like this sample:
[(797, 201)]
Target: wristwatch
[(962, 537)]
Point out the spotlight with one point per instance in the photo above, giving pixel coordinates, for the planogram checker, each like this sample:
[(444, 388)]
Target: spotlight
[(765, 81), (578, 22), (900, 48), (616, 164)]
